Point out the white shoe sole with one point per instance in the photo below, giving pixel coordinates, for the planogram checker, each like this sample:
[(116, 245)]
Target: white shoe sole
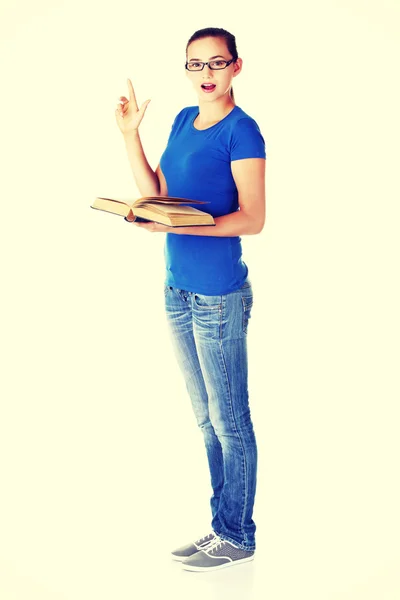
[(179, 558), (231, 563)]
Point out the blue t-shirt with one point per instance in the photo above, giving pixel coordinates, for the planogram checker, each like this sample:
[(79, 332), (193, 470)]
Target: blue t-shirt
[(197, 165)]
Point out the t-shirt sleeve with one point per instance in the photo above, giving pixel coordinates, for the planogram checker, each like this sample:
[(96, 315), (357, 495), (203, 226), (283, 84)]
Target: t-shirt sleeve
[(179, 117), (247, 140), (175, 121)]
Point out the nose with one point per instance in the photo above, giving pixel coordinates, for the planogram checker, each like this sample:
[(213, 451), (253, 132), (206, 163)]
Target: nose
[(207, 72)]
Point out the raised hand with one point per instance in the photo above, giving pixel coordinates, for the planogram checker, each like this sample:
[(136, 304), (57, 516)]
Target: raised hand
[(128, 115)]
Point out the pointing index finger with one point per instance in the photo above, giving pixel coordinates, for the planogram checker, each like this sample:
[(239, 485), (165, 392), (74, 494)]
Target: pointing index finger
[(132, 97)]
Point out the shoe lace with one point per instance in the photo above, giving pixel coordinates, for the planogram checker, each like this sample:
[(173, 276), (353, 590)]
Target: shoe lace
[(214, 544), (200, 540)]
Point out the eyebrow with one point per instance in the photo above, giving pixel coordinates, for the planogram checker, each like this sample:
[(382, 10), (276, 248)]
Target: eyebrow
[(211, 57)]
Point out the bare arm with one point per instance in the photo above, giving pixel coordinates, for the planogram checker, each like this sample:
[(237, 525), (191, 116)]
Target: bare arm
[(146, 179), (129, 117)]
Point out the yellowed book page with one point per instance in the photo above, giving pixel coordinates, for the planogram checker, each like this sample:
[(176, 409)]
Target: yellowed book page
[(191, 220), (146, 213), (170, 209), (167, 200), (175, 218), (114, 206)]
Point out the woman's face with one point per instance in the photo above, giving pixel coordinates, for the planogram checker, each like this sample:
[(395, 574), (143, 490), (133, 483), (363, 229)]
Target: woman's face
[(211, 85)]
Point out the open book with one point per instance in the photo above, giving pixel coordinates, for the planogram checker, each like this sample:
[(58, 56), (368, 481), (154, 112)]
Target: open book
[(160, 209)]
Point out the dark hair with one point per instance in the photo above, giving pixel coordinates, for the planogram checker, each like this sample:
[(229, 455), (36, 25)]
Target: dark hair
[(217, 32)]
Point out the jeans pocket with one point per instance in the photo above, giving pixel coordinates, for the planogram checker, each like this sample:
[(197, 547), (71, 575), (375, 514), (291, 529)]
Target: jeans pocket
[(247, 302), (207, 302)]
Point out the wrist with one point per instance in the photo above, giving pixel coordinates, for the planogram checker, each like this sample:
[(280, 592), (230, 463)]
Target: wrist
[(129, 135)]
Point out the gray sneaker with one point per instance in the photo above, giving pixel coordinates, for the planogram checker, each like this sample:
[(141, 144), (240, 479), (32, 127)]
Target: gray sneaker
[(186, 551), (217, 555)]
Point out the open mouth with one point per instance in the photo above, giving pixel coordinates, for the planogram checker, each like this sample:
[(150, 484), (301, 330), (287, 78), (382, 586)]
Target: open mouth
[(208, 87)]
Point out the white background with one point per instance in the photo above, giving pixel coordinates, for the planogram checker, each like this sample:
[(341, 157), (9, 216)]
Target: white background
[(103, 469)]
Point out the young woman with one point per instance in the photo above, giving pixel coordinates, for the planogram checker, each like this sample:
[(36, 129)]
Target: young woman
[(215, 152)]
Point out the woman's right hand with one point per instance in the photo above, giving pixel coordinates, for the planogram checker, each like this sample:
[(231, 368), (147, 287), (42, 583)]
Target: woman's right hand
[(127, 114)]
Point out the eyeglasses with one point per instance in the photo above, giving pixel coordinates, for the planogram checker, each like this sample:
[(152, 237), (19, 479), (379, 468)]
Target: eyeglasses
[(215, 65)]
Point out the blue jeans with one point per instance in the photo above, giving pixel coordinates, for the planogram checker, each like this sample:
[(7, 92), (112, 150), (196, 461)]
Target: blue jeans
[(209, 337)]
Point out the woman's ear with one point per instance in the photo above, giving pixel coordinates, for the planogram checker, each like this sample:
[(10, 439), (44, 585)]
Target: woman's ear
[(237, 67)]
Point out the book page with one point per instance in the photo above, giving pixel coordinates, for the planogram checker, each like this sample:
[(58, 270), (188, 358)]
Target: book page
[(166, 199), (167, 209)]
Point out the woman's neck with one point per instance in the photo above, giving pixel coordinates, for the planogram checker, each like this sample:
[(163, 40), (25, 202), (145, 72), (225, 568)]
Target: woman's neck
[(212, 112)]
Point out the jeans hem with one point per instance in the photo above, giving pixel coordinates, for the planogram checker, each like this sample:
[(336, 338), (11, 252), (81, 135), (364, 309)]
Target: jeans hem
[(247, 548)]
